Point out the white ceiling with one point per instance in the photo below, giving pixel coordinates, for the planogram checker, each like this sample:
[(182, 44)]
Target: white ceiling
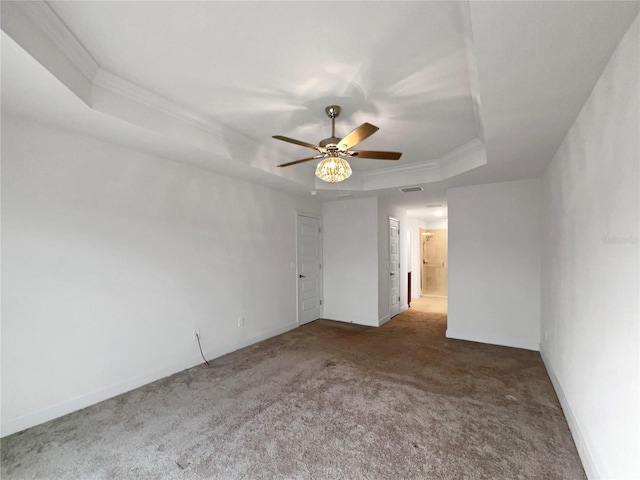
[(471, 93)]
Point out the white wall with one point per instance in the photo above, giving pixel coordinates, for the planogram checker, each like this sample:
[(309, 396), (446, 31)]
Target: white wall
[(112, 257), (444, 224), (494, 263), (356, 254), (590, 287), (350, 267)]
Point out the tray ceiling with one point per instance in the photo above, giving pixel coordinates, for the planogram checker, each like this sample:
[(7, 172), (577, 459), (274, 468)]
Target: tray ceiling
[(469, 92)]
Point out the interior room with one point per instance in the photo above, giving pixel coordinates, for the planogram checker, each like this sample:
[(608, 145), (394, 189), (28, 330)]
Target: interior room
[(320, 239)]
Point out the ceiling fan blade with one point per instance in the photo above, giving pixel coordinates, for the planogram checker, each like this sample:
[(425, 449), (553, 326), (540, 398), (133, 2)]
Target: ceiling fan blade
[(295, 162), (297, 142), (357, 135), (376, 155)]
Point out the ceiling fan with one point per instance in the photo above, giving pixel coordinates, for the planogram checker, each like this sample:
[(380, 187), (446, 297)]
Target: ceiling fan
[(334, 151)]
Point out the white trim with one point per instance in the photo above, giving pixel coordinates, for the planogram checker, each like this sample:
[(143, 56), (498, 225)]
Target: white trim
[(49, 413), (46, 20), (412, 168), (255, 339), (472, 65), (584, 450), (358, 321), (464, 158), (459, 153), (123, 87), (494, 340), (399, 271), (386, 318), (37, 30), (471, 155), (46, 414), (473, 159)]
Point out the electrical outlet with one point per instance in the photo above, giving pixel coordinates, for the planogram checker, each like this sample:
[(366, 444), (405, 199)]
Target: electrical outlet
[(196, 333), (241, 321)]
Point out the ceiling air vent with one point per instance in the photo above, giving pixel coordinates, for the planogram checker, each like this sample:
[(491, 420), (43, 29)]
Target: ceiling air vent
[(346, 195), (411, 189), (435, 205)]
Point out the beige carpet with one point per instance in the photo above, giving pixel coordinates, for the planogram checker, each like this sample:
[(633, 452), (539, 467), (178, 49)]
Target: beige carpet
[(430, 304), (326, 401)]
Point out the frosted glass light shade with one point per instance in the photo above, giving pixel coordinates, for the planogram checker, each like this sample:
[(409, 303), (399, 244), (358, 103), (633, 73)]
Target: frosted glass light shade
[(333, 170)]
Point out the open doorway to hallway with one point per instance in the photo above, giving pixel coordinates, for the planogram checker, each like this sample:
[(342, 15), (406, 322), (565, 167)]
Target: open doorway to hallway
[(430, 304), (434, 266)]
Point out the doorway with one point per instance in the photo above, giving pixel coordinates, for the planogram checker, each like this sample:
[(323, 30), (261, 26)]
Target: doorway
[(434, 262), (309, 261)]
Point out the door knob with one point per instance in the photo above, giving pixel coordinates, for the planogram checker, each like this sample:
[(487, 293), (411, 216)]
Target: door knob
[(301, 276)]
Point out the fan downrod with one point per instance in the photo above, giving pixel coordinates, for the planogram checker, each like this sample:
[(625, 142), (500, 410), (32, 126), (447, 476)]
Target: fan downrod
[(332, 112)]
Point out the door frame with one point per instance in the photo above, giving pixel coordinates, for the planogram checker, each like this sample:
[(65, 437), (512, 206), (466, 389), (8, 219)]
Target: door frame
[(318, 217), (421, 234), (424, 266), (399, 273)]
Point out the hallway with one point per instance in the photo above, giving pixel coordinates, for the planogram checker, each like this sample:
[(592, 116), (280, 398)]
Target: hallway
[(429, 304)]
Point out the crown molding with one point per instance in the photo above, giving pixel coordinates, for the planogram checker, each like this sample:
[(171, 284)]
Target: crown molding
[(53, 28), (462, 152), (123, 99), (120, 86), (44, 22), (472, 66), (453, 157), (37, 28), (39, 31), (412, 168), (464, 158)]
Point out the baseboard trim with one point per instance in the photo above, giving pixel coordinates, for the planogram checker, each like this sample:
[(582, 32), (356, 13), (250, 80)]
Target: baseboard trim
[(357, 321), (581, 445), (38, 417), (503, 342), (386, 318), (260, 337), (32, 419)]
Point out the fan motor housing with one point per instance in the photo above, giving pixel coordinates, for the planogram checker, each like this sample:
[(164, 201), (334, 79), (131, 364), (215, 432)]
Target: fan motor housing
[(329, 141)]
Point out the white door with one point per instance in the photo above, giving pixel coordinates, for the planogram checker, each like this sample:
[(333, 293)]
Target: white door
[(394, 267), (309, 265)]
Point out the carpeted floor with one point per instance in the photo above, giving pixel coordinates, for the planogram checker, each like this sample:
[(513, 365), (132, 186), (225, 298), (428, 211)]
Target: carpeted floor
[(326, 401)]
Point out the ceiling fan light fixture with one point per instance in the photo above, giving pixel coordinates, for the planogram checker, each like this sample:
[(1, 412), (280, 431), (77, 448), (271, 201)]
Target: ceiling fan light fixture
[(333, 170)]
